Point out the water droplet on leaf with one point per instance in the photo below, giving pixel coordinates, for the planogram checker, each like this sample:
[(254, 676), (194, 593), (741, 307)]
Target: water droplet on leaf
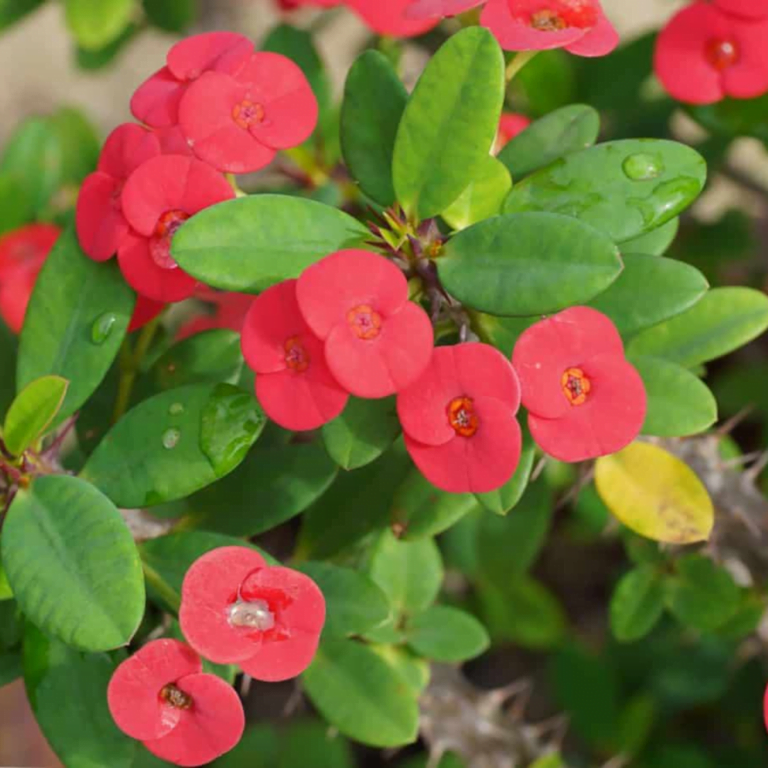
[(643, 166), (171, 438), (102, 327)]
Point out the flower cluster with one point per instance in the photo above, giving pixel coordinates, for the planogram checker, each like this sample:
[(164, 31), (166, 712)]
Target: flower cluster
[(710, 50), (234, 609), (216, 107), (579, 26)]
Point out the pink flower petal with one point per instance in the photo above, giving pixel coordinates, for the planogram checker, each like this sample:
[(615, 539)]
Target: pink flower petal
[(101, 226), (125, 149), (511, 124), (749, 9), (15, 293), (748, 77), (276, 662), (156, 101), (218, 51), (147, 278), (25, 246), (389, 18), (436, 9), (599, 41), (173, 142)]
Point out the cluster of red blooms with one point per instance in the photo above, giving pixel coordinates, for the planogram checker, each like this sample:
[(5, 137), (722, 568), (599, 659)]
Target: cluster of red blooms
[(579, 26), (235, 609), (216, 107), (346, 327), (712, 49)]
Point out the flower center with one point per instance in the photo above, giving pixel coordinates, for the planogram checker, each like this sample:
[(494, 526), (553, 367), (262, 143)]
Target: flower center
[(576, 386), (176, 697), (547, 21), (722, 54), (254, 614), (296, 357), (556, 15), (364, 321), (246, 113), (462, 416), (160, 243)]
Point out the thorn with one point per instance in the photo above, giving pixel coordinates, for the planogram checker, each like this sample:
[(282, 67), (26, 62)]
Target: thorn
[(556, 727), (538, 469), (245, 686), (754, 471), (734, 421), (740, 461), (435, 756), (294, 700)]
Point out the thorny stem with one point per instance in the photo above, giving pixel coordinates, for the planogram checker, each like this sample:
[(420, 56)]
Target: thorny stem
[(517, 63)]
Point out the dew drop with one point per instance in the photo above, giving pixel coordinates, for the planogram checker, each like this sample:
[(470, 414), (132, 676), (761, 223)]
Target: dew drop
[(171, 438), (102, 327), (643, 166), (176, 409)]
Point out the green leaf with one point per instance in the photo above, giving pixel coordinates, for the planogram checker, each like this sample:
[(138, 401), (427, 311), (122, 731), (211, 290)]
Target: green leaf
[(528, 264), (72, 563), (311, 744), (362, 433), (75, 323), (702, 595), (171, 15), (650, 290), (354, 603), (80, 144), (10, 667), (67, 691), (356, 691), (98, 58), (253, 242), (504, 499), (560, 133), (420, 510), (175, 443), (735, 117), (6, 593), (483, 197), (15, 205), (446, 634), (96, 23), (679, 403), (13, 10), (32, 412), (623, 188), (414, 670), (449, 124), (637, 603), (409, 572), (553, 760), (273, 484), (654, 243), (724, 320), (374, 100)]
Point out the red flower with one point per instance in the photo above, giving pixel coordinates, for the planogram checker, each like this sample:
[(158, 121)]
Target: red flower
[(158, 198), (292, 5), (161, 697), (459, 419), (391, 17), (144, 311), (704, 55), (510, 125), (236, 609), (156, 101), (293, 382), (237, 122), (22, 255), (579, 26), (230, 311), (101, 224), (437, 9), (749, 9), (376, 341), (584, 399)]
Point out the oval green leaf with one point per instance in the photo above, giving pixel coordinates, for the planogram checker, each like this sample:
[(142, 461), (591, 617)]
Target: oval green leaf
[(654, 243), (484, 196), (623, 188), (97, 23), (253, 242), (359, 693), (637, 603), (528, 264), (72, 564), (32, 412), (450, 123), (505, 499), (175, 443), (446, 634)]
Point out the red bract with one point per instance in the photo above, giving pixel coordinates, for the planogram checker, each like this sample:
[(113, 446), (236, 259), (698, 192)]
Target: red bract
[(22, 255), (376, 341), (158, 198), (437, 9), (229, 312), (144, 311), (391, 17), (100, 221), (459, 419), (237, 122), (510, 125), (749, 9), (704, 55), (579, 26), (156, 101), (161, 697), (293, 382), (236, 609), (584, 399)]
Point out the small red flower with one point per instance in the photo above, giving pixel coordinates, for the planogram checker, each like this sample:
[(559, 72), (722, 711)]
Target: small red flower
[(579, 26), (229, 312), (749, 9), (237, 122), (459, 419), (391, 17), (156, 101), (376, 341), (101, 224), (22, 255), (437, 9), (511, 124), (704, 55), (158, 198), (145, 311), (161, 697), (583, 398), (236, 609), (293, 382)]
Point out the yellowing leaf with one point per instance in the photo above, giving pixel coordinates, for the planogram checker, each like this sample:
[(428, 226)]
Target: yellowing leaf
[(655, 494)]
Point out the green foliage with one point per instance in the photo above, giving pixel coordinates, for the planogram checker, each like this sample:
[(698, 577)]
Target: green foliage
[(446, 634), (32, 412), (637, 603), (96, 23)]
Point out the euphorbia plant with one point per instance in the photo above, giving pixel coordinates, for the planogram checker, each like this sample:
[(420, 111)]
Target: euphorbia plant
[(193, 497)]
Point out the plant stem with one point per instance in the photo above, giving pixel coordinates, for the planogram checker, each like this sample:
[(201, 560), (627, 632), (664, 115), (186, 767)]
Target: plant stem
[(163, 589), (517, 63)]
